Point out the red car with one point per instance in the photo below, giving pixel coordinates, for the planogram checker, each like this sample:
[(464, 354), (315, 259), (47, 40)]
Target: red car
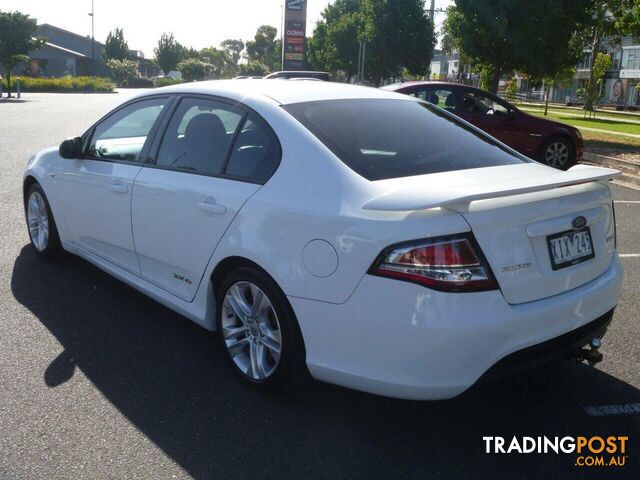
[(556, 144)]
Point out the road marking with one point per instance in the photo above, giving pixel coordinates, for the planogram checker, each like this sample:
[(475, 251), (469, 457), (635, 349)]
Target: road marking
[(602, 410), (626, 201), (629, 255)]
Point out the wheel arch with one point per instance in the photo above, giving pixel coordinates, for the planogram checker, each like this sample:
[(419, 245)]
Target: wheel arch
[(228, 264), (28, 181), (231, 263)]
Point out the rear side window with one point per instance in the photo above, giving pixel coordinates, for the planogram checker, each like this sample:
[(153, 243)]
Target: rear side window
[(388, 138), (256, 152), (198, 136)]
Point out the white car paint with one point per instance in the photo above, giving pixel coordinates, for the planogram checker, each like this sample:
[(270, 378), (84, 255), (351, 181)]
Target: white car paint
[(316, 227)]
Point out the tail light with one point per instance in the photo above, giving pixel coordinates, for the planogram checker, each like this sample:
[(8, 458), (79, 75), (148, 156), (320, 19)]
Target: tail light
[(452, 264), (615, 228)]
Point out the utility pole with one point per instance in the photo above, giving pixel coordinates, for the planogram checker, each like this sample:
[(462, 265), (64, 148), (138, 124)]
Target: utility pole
[(282, 37), (93, 38), (432, 11)]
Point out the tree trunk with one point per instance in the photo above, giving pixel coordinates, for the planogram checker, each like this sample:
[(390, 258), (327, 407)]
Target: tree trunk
[(588, 101), (8, 82), (495, 81), (546, 99)]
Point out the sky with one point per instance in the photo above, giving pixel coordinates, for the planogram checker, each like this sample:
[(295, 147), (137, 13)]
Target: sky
[(195, 23)]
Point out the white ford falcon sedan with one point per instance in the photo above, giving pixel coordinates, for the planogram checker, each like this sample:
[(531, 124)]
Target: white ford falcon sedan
[(360, 237)]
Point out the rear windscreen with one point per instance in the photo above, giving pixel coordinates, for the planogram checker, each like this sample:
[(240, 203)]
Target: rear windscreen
[(388, 138)]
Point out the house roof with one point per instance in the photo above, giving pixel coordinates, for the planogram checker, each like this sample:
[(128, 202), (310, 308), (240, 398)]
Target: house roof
[(77, 35), (66, 50)]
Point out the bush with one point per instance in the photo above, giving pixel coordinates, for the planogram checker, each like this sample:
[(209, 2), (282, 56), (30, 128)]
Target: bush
[(253, 68), (64, 84), (139, 82), (164, 81), (121, 70), (194, 69)]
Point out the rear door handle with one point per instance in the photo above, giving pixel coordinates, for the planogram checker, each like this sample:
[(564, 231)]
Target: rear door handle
[(119, 188), (212, 207)]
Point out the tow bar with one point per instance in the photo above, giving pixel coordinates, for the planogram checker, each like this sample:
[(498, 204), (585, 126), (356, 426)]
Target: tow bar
[(590, 355)]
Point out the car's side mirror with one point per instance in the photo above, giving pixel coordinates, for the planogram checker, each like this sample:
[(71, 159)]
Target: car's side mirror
[(70, 148)]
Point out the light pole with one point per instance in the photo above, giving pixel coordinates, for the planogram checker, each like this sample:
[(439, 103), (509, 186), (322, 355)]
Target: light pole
[(93, 38), (282, 37)]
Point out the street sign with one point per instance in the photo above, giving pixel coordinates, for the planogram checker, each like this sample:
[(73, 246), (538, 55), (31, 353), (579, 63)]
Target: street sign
[(295, 22)]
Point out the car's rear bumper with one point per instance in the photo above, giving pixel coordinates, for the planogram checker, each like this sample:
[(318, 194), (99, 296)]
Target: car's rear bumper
[(403, 340), (564, 346)]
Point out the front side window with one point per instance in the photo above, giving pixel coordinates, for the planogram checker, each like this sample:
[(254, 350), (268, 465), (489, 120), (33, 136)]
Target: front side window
[(389, 138), (122, 135), (198, 136), (473, 102)]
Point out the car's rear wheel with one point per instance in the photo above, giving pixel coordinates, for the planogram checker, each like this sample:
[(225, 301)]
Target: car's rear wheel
[(259, 331), (40, 223), (558, 152)]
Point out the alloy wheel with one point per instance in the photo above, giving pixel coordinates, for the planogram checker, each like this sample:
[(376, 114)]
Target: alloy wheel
[(557, 154), (251, 330), (38, 221)]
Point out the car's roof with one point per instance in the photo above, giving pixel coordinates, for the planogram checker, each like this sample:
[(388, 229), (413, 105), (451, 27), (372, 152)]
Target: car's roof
[(282, 92)]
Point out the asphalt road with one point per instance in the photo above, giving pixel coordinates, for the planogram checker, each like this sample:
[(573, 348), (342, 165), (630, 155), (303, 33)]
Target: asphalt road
[(97, 381)]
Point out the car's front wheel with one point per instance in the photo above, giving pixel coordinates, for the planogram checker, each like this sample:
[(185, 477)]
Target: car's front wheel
[(40, 223), (558, 152), (259, 331)]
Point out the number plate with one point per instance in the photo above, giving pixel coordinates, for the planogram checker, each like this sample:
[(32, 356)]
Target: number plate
[(570, 248)]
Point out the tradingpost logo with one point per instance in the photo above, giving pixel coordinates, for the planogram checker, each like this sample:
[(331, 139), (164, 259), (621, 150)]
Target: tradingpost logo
[(594, 451)]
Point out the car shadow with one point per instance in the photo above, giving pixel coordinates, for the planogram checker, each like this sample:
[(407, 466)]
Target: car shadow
[(169, 378)]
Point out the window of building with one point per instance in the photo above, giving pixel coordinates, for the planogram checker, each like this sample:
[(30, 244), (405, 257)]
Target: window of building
[(631, 59)]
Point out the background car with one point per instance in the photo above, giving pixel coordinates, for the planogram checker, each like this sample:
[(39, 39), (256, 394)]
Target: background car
[(367, 238), (554, 143), (300, 74)]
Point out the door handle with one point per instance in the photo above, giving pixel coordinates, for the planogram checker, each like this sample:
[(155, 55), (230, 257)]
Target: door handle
[(211, 207), (119, 188)]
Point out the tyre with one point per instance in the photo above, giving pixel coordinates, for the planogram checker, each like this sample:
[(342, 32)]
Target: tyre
[(259, 331), (40, 223), (558, 152)]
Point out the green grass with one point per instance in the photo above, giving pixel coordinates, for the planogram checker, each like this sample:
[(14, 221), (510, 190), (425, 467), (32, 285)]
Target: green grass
[(597, 140), (578, 110), (600, 123), (64, 84)]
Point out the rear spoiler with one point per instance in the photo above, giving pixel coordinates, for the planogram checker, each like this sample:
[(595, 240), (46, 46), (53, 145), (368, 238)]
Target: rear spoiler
[(408, 199)]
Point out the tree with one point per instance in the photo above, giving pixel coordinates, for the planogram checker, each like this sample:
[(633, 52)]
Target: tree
[(398, 35), (593, 90), (262, 47), (562, 79), (253, 67), (168, 53), (222, 64), (122, 70), (116, 46), (538, 38), (336, 39), (194, 69), (608, 17), (511, 89), (16, 41), (234, 49)]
